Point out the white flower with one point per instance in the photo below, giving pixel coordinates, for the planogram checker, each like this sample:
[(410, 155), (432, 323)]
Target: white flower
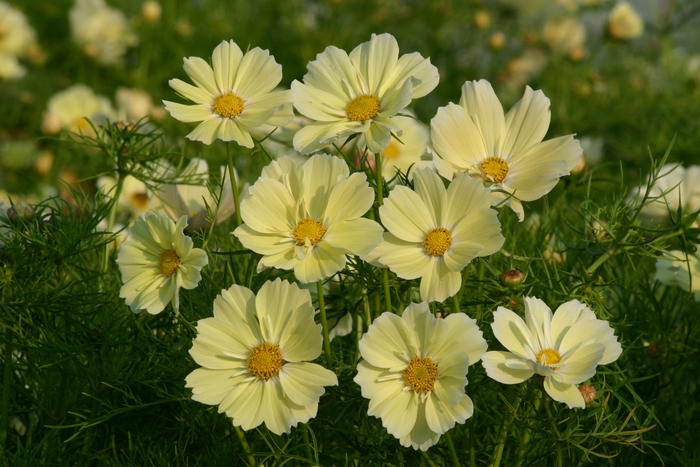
[(675, 187), (232, 96), (10, 67), (414, 371), (564, 34), (133, 104), (70, 109), (134, 196), (16, 35), (404, 154), (676, 268), (193, 198), (308, 218), (565, 347), (624, 22), (359, 93), (433, 232), (506, 152), (102, 32), (157, 262), (255, 353)]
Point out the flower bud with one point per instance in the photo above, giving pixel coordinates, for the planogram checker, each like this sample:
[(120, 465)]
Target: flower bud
[(588, 392), (512, 278)]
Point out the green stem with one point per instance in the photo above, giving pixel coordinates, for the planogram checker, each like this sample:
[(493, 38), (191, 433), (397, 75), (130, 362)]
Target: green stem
[(212, 282), (6, 387), (324, 323), (555, 431), (234, 185), (246, 446), (365, 305), (110, 221), (387, 290), (380, 180), (307, 444), (524, 441), (455, 301), (472, 450), (498, 452), (451, 447)]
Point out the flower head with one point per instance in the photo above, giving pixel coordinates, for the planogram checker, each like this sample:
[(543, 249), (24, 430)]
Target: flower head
[(103, 32), (676, 268), (16, 39), (157, 262), (308, 218), (433, 232), (565, 347), (71, 109), (624, 22), (504, 151), (254, 355), (359, 93), (414, 370), (232, 95)]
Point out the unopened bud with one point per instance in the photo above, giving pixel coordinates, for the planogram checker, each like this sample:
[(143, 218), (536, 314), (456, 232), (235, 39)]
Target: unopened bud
[(588, 392), (512, 278), (20, 211)]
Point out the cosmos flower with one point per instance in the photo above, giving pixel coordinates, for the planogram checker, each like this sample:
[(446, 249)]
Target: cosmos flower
[(103, 32), (71, 109), (679, 269), (433, 232), (232, 95), (157, 261), (255, 355), (624, 22), (359, 93), (565, 347), (506, 152), (414, 371), (308, 218)]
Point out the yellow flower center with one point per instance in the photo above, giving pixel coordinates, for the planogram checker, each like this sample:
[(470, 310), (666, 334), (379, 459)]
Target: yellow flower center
[(83, 124), (495, 168), (392, 152), (140, 200), (363, 108), (308, 228), (228, 105), (421, 374), (169, 262), (548, 357), (265, 361), (437, 241)]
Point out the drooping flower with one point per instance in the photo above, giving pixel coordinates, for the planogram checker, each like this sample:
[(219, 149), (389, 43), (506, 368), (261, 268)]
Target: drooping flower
[(414, 371), (255, 355), (565, 347), (308, 218), (232, 95), (678, 269), (504, 151), (359, 93), (157, 261), (433, 232), (101, 31), (624, 22), (676, 187)]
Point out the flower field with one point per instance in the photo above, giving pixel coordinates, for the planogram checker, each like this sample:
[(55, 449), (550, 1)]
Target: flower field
[(349, 233)]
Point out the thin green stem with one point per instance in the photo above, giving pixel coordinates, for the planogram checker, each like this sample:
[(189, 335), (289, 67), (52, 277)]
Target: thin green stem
[(246, 446), (387, 290), (451, 447), (324, 323), (427, 459), (110, 221), (211, 281), (365, 305), (234, 185), (307, 444), (498, 452), (455, 301), (379, 178), (472, 450), (555, 431)]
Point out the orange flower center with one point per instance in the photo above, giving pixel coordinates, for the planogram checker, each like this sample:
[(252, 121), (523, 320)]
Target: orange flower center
[(363, 108), (265, 361)]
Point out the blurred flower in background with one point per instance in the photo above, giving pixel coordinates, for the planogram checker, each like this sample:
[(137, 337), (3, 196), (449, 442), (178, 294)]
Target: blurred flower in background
[(676, 187), (16, 40), (624, 22), (102, 32), (72, 108), (678, 269)]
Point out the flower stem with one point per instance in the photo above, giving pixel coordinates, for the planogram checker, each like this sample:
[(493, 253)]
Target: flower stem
[(246, 446), (451, 447), (387, 290), (110, 220), (307, 444), (455, 301), (555, 431), (380, 180), (472, 451), (234, 185), (498, 452), (324, 323)]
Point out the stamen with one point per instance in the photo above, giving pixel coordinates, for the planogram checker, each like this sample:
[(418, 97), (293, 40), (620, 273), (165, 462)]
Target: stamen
[(308, 228), (265, 361), (169, 263), (494, 168), (228, 105), (421, 374), (437, 241), (363, 108)]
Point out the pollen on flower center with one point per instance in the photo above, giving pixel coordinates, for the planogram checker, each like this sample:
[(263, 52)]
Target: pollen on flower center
[(548, 357), (169, 263), (421, 374), (265, 361), (308, 228), (363, 108), (228, 105), (437, 241), (495, 168), (140, 200)]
